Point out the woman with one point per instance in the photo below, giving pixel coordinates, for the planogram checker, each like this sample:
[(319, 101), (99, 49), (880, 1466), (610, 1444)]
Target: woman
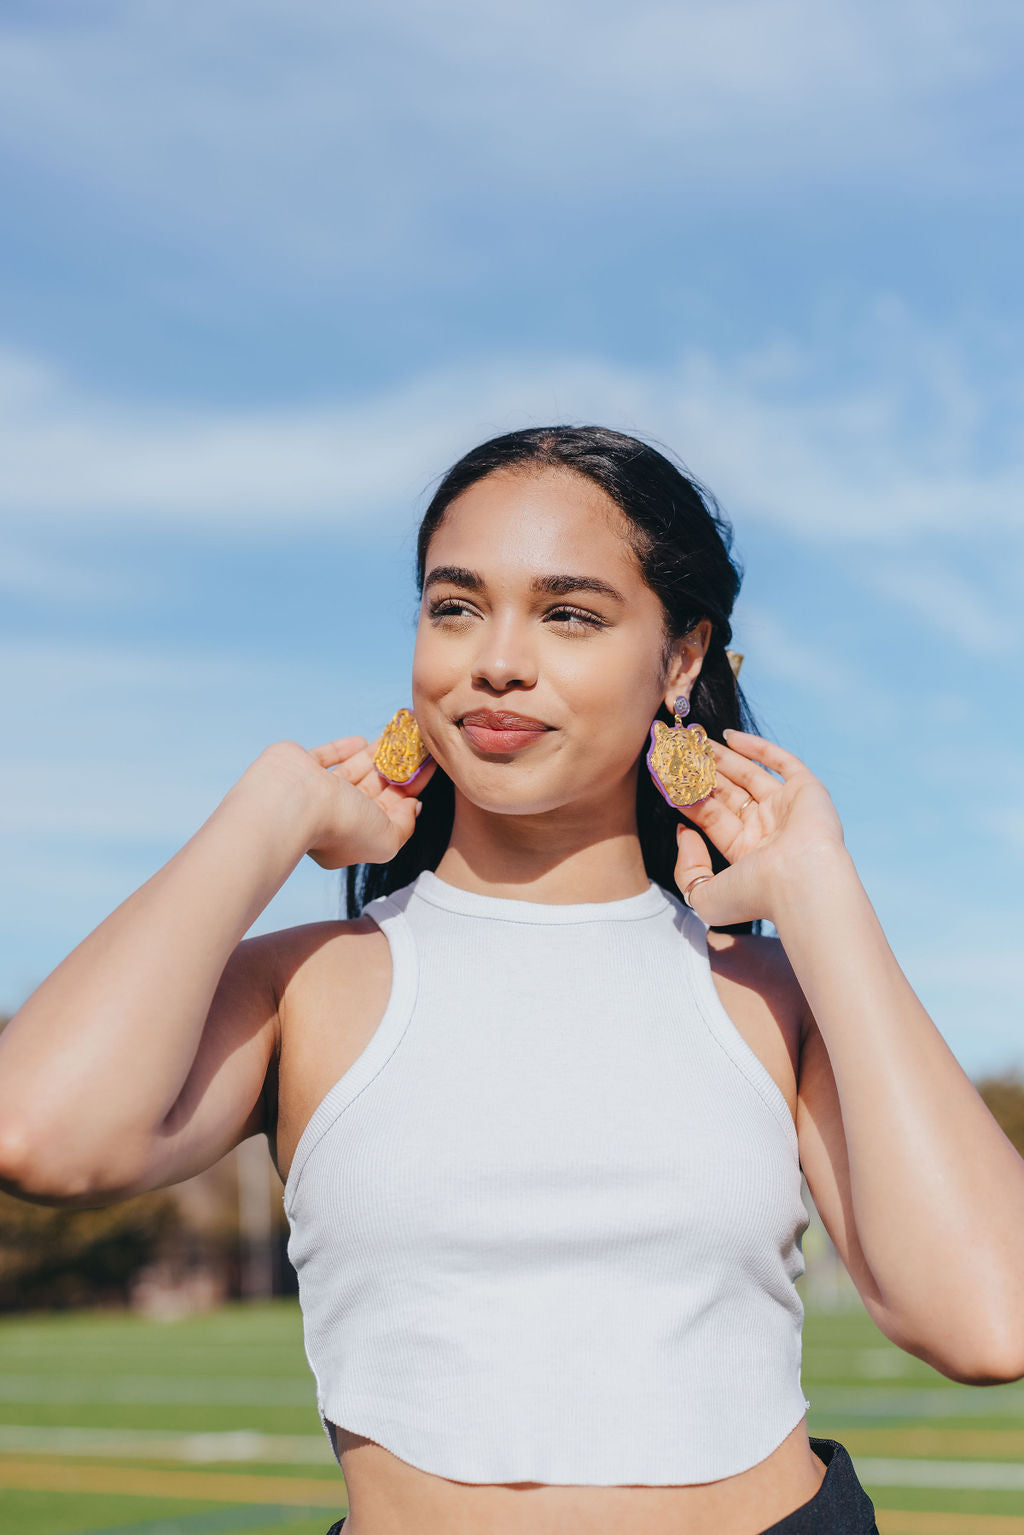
[(541, 1103)]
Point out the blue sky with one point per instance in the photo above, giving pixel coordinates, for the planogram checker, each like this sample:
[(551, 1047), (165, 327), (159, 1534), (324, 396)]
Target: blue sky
[(267, 269)]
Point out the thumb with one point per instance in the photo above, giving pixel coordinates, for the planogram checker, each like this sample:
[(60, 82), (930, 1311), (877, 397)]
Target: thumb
[(692, 859)]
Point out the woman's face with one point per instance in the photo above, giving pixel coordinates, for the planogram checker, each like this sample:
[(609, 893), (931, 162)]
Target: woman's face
[(534, 604)]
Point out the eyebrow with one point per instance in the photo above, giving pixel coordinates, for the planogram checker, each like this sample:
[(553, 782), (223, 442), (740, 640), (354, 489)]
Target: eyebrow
[(554, 586)]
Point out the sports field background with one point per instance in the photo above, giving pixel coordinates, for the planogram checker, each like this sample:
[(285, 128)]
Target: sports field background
[(208, 1424)]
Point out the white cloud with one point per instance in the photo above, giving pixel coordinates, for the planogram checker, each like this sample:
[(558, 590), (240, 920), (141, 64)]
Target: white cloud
[(785, 656), (344, 140), (951, 603), (57, 580), (140, 744), (773, 433), (115, 756), (1004, 822)]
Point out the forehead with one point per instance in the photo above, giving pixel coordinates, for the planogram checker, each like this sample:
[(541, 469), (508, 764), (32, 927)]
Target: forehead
[(530, 521)]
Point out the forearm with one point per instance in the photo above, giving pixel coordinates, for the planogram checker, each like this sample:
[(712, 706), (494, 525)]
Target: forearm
[(101, 1049), (937, 1189)]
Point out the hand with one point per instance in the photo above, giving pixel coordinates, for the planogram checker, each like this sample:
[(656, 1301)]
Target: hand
[(783, 825), (356, 815)]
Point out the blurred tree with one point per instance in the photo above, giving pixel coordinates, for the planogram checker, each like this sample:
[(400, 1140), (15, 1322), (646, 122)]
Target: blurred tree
[(54, 1258), (160, 1243), (1004, 1098)]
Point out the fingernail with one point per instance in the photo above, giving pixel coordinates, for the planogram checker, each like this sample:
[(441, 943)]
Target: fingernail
[(417, 807)]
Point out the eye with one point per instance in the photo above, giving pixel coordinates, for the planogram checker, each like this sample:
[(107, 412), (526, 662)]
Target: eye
[(577, 616), (574, 618), (446, 607)]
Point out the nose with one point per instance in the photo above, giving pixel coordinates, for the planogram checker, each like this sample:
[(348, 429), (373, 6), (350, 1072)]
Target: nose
[(505, 657)]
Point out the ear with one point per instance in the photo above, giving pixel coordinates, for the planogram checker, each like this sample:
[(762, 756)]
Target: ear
[(687, 659)]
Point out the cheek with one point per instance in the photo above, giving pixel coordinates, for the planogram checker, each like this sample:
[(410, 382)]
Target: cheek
[(632, 685), (434, 673), (434, 678), (613, 715)]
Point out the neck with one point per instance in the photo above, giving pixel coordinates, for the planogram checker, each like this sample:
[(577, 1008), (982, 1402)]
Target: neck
[(574, 854)]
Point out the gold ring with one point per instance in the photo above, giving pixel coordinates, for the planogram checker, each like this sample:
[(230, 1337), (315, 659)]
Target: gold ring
[(748, 801), (692, 886)]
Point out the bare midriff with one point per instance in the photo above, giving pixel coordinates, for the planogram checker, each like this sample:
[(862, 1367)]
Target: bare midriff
[(388, 1496)]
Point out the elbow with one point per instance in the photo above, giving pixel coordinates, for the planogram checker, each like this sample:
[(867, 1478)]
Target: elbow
[(993, 1369), (1000, 1347), (984, 1349), (993, 1358), (1003, 1361), (41, 1171)]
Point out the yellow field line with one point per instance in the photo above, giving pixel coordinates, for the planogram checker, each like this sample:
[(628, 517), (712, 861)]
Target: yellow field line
[(905, 1521), (936, 1443), (202, 1486), (224, 1487)]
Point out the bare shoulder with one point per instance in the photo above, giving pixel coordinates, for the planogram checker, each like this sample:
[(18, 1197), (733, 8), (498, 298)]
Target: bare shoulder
[(759, 964), (332, 980), (759, 990), (300, 956)]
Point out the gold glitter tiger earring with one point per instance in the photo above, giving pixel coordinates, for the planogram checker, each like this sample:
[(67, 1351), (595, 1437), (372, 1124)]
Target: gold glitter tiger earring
[(402, 751), (680, 759)]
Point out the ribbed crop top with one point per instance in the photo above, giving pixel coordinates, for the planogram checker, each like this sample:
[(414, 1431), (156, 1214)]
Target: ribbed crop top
[(546, 1226)]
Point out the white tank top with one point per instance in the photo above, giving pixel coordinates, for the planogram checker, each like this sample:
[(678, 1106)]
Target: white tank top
[(546, 1226)]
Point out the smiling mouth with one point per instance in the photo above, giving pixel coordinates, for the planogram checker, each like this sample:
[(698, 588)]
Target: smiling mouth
[(502, 719), (492, 730)]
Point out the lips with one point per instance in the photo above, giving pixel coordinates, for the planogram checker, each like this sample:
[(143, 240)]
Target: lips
[(500, 732), (502, 719)]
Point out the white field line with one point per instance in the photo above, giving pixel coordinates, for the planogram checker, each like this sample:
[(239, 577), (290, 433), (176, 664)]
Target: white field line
[(987, 1475), (157, 1444), (903, 1402), (195, 1391), (307, 1449)]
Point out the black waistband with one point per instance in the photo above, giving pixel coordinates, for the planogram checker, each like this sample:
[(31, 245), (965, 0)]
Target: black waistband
[(839, 1507)]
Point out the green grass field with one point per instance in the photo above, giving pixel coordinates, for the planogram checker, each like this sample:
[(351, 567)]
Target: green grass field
[(207, 1425)]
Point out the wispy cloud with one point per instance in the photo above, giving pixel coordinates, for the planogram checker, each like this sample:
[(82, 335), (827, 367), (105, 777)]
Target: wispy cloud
[(949, 602), (182, 120), (140, 742), (26, 573), (772, 432), (784, 655), (1003, 819)]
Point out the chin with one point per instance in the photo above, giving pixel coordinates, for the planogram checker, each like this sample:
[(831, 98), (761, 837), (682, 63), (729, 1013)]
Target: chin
[(509, 798)]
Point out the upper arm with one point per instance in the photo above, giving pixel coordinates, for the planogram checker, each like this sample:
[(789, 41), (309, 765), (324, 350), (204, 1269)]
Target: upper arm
[(227, 1095)]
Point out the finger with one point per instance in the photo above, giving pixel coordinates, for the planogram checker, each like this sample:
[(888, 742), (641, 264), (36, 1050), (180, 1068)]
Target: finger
[(692, 862), (742, 773), (419, 780), (693, 857), (340, 750), (359, 770), (715, 817), (775, 757), (733, 796), (414, 787)]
